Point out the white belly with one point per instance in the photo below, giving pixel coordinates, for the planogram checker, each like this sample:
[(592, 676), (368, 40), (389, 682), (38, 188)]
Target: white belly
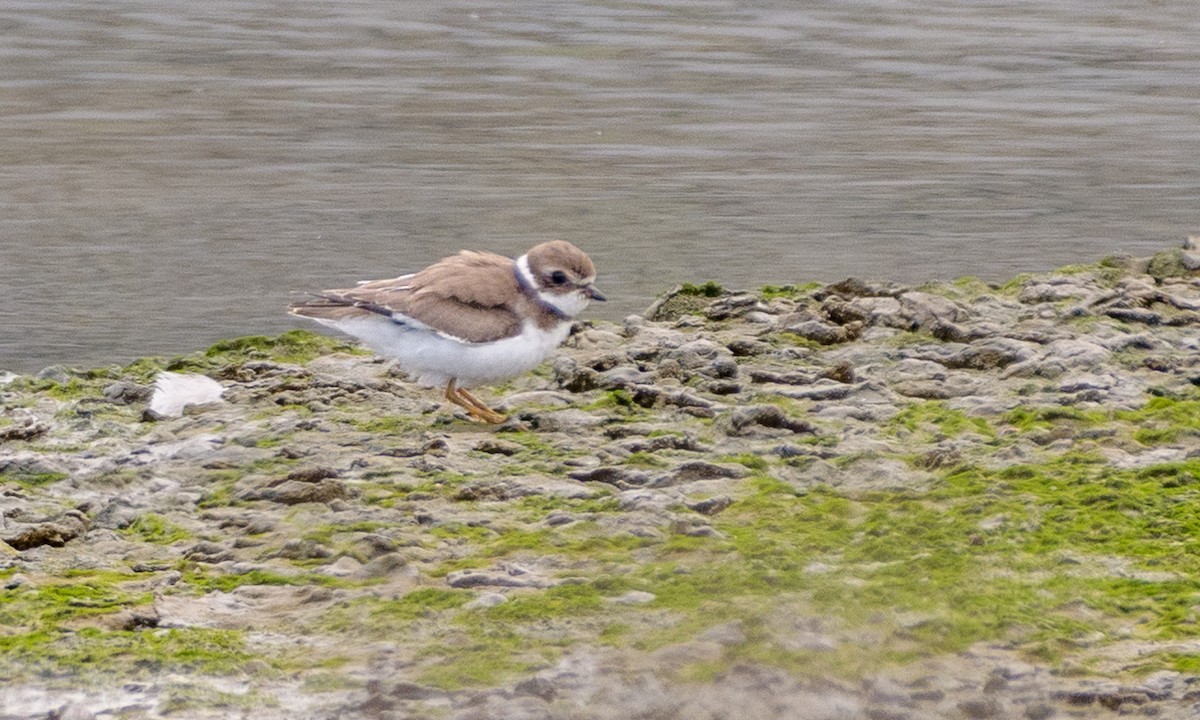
[(432, 359)]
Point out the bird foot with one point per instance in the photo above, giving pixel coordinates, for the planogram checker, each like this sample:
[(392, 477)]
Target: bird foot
[(476, 409)]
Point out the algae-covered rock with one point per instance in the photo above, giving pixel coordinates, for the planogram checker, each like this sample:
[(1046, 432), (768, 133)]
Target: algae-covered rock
[(854, 499)]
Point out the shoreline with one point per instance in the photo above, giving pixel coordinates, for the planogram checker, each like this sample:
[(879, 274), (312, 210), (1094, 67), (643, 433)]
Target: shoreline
[(850, 500)]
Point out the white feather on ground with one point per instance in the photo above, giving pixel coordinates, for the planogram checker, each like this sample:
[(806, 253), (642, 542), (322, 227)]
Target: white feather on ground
[(175, 391)]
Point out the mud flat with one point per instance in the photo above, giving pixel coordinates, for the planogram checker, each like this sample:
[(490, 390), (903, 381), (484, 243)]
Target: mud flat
[(857, 500)]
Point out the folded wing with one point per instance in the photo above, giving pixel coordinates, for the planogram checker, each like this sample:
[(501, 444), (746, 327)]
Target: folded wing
[(469, 296)]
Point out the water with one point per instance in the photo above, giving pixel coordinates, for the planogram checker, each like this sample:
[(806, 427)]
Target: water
[(171, 171)]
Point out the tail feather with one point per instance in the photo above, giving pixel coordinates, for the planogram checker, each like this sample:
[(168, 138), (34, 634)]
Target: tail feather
[(334, 306)]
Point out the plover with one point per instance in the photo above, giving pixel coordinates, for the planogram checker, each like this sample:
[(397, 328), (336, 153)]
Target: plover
[(475, 318)]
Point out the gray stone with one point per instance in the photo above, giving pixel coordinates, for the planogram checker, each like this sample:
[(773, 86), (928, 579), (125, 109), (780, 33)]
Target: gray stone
[(823, 333), (481, 578), (746, 420), (55, 532), (700, 470), (620, 477), (296, 492), (990, 354), (73, 711), (926, 310), (538, 687), (634, 597)]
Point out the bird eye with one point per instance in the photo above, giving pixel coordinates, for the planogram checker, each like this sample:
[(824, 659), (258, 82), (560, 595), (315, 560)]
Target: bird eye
[(558, 277)]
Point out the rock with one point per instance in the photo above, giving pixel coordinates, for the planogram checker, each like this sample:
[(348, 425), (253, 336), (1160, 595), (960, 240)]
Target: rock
[(704, 357), (745, 420), (486, 600), (842, 372), (1168, 264), (950, 332), (55, 373), (564, 421), (980, 709), (824, 390), (926, 311), (1050, 292), (493, 446), (1137, 315), (487, 490), (700, 470), (735, 305), (1039, 711), (538, 687), (762, 375), (730, 633), (344, 566), (312, 474), (684, 300), (623, 478), (36, 533), (856, 287), (990, 354), (634, 597), (481, 578), (747, 347), (823, 333), (686, 441), (295, 492), (25, 429), (125, 392), (710, 506), (298, 549), (570, 375), (209, 552), (402, 690), (623, 378), (118, 514), (867, 310), (72, 711)]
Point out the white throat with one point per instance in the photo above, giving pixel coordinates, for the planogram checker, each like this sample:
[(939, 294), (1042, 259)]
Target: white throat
[(570, 304)]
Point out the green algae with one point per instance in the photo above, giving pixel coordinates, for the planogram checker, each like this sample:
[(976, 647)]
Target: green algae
[(202, 579), (757, 463), (1041, 556), (613, 400), (539, 506), (933, 419), (94, 654), (789, 291), (988, 555), (390, 424), (372, 615), (292, 347), (31, 479), (707, 289), (154, 528), (52, 603), (645, 460), (687, 299), (1163, 420), (325, 534), (67, 628)]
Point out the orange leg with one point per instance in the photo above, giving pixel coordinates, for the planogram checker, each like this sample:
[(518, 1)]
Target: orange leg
[(473, 405)]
